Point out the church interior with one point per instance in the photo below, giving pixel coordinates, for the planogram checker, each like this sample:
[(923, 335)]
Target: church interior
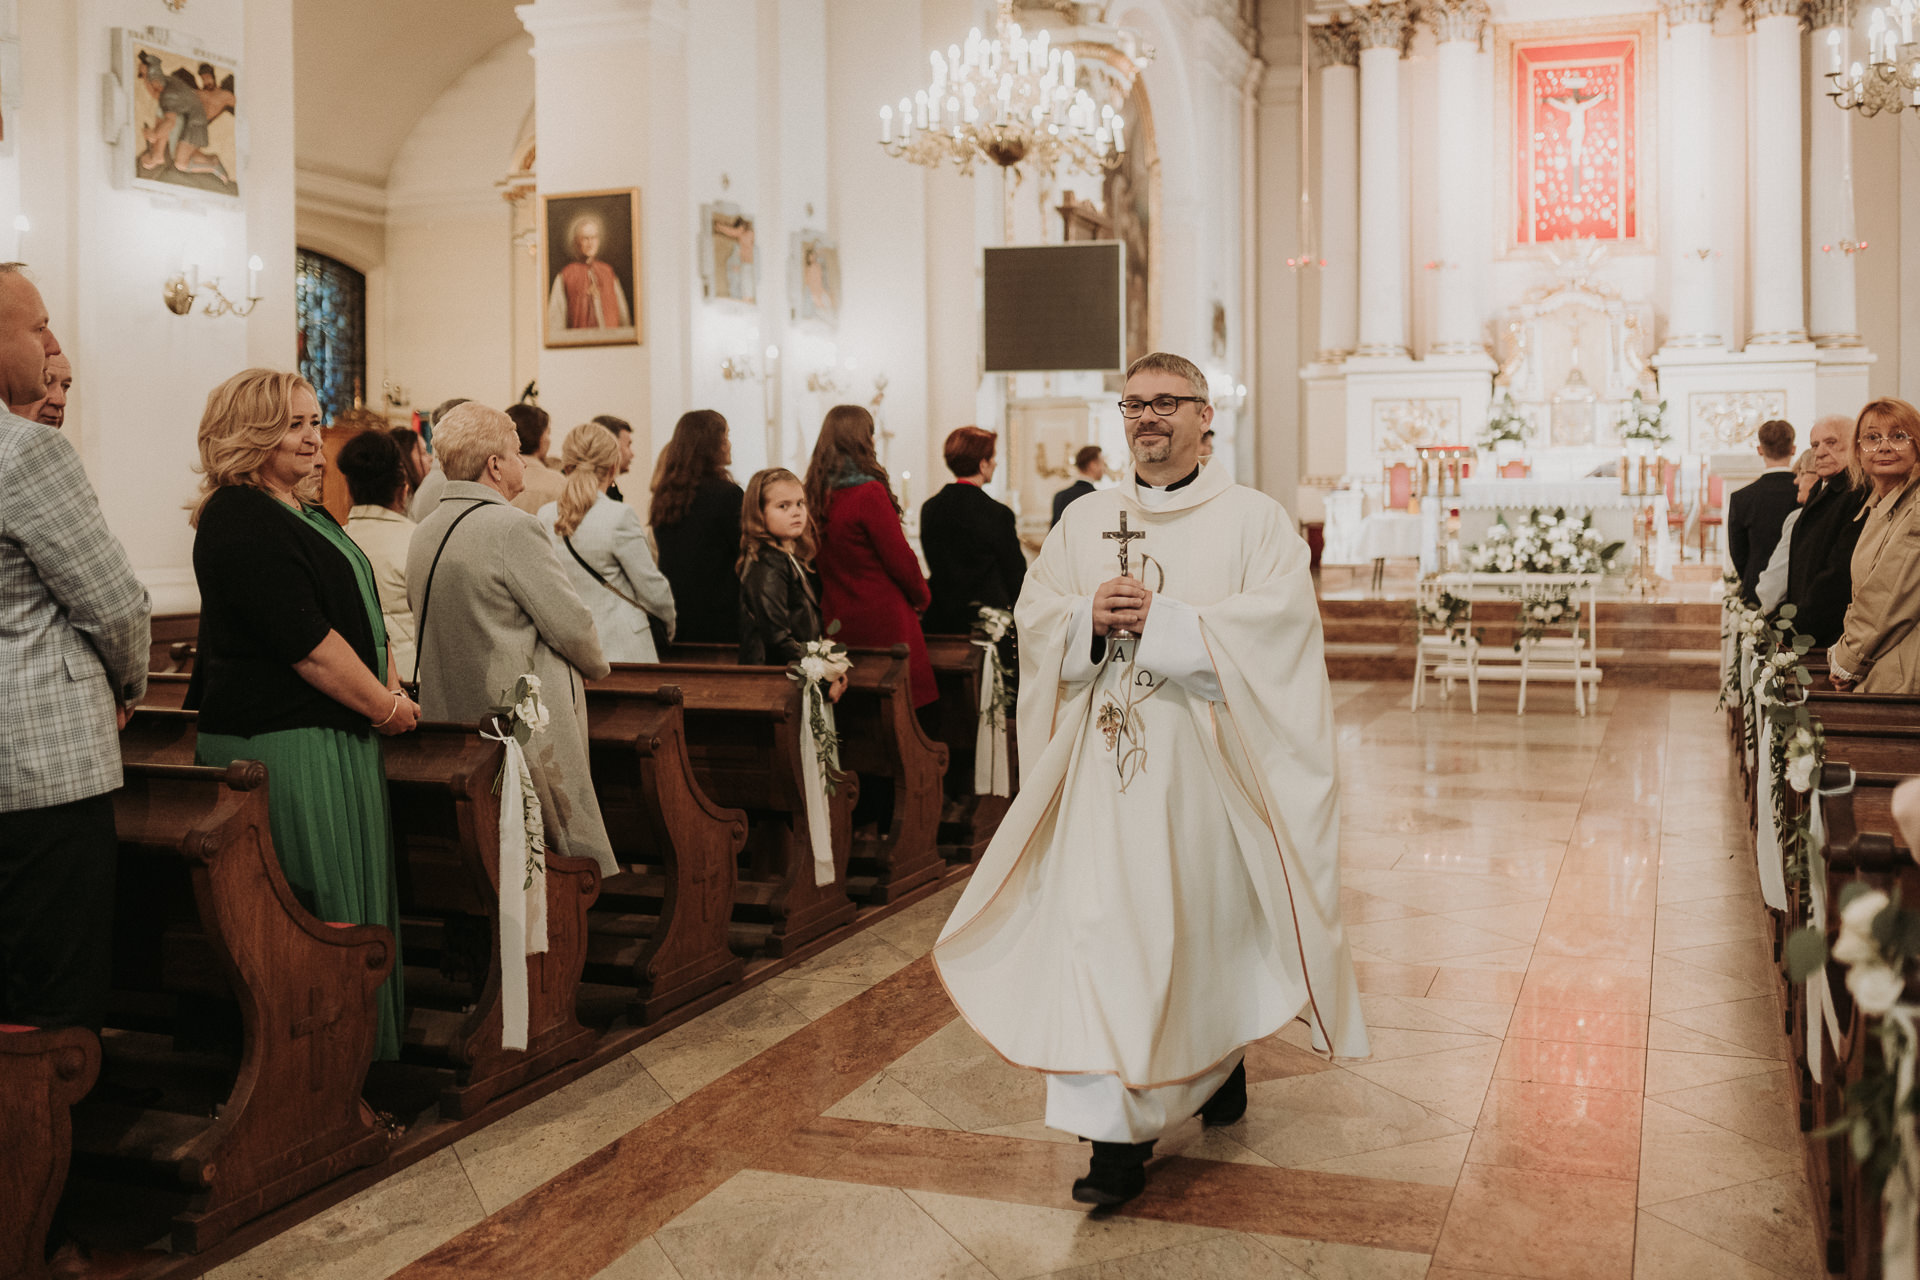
[(1588, 317)]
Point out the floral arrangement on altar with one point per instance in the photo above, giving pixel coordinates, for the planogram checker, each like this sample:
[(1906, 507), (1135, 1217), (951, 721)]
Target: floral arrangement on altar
[(1543, 543), (821, 662), (519, 715), (1645, 423), (1505, 424)]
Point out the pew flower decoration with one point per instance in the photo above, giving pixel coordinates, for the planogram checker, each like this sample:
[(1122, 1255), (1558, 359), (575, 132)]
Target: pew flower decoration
[(521, 714), (1542, 614), (1545, 542), (1447, 613), (992, 773), (821, 662)]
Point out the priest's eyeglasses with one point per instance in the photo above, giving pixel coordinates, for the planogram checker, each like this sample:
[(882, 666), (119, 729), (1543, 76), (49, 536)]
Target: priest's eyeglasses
[(1163, 406), (1872, 443)]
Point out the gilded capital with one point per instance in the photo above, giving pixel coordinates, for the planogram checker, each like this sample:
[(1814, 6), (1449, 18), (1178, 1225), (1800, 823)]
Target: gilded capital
[(1758, 9), (1335, 44), (1687, 13), (1384, 24), (1457, 19), (1829, 13)]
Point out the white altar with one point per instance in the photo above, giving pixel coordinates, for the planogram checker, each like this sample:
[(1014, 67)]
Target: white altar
[(1480, 502)]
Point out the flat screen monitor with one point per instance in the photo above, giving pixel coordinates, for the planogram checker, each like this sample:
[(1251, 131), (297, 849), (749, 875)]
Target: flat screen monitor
[(1058, 307)]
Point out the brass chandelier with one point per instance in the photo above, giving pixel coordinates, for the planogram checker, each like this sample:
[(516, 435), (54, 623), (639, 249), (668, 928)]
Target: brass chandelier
[(1889, 80)]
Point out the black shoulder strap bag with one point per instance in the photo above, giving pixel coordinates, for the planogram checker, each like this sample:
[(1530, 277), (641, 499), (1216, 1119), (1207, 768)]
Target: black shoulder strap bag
[(657, 628), (426, 597)]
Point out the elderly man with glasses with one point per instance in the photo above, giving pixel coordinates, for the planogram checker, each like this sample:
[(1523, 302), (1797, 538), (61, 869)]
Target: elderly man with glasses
[(1171, 868), (1819, 551), (1879, 650)]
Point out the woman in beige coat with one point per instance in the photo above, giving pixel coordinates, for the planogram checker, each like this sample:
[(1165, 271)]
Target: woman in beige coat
[(502, 606), (1880, 650)]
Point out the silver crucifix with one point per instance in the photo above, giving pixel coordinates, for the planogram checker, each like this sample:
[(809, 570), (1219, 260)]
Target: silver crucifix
[(1123, 536)]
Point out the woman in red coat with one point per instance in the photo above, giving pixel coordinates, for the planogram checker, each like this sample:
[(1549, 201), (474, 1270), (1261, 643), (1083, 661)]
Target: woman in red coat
[(870, 581)]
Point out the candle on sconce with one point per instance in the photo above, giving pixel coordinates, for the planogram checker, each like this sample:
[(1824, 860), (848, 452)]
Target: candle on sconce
[(906, 490), (254, 268), (1833, 49), (886, 124), (1623, 475)]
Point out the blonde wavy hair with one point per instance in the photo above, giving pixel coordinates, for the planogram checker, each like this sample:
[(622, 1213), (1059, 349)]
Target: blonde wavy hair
[(246, 418), (589, 456)]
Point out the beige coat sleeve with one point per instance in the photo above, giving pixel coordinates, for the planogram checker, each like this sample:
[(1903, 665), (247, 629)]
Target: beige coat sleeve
[(1885, 606)]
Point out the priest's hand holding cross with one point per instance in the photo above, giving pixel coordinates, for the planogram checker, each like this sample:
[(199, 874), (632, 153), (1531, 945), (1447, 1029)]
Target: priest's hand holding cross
[(1121, 605)]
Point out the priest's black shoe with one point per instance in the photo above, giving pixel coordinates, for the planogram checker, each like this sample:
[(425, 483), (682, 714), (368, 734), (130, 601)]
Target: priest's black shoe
[(1229, 1101), (1117, 1173)]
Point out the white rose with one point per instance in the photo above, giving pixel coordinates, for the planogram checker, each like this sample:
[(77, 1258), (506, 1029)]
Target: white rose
[(1803, 737), (1855, 948), (1800, 773), (1876, 987), (1862, 911), (814, 667), (533, 682)]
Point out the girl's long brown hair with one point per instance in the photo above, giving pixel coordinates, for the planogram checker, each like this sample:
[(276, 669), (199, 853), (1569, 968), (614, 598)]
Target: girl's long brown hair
[(845, 446), (692, 457), (753, 520)]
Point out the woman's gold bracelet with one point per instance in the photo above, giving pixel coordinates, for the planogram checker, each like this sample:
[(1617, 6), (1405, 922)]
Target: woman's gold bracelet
[(397, 695)]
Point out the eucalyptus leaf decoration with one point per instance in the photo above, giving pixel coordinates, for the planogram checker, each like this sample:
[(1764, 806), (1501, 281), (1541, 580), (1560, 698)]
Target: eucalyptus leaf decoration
[(521, 713), (820, 663)]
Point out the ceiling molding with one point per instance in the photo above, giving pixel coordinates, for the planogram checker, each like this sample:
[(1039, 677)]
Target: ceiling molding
[(324, 193)]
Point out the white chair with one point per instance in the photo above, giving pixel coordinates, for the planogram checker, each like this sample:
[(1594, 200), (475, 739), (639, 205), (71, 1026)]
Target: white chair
[(1448, 648), (1570, 656)]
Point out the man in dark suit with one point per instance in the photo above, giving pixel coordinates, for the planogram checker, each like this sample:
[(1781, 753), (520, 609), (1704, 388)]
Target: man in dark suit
[(1091, 467), (1755, 513), (1820, 551)]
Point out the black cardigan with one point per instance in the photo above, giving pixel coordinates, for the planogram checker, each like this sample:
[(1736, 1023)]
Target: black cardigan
[(973, 557), (1820, 558), (271, 587), (697, 554)]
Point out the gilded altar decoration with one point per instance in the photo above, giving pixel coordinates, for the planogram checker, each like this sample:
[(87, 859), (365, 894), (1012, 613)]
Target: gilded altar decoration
[(1574, 103)]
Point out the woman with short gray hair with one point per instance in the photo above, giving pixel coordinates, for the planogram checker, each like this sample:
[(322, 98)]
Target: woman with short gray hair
[(491, 603)]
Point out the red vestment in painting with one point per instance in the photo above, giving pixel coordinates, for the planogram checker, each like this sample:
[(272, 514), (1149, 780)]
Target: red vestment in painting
[(586, 283)]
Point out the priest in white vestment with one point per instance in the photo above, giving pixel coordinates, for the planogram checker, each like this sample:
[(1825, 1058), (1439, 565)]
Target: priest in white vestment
[(1165, 889)]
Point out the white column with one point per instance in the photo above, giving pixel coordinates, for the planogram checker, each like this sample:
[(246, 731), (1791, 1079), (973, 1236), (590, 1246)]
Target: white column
[(1830, 243), (1336, 55), (1383, 30), (1778, 284), (1688, 67), (620, 60), (1458, 26)]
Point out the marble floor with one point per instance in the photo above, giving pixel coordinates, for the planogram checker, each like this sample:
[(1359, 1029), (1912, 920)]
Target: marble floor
[(1577, 1072)]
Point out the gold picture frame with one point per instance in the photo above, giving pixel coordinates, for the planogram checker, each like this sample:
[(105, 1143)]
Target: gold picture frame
[(590, 253)]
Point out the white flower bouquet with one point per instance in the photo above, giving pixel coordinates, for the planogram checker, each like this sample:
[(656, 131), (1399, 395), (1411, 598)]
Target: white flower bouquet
[(821, 662), (1545, 542), (520, 714)]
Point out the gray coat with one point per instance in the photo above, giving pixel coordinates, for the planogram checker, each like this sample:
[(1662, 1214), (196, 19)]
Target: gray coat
[(502, 607), (73, 625)]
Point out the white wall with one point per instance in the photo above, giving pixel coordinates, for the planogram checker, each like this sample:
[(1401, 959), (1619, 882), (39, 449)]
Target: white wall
[(101, 254)]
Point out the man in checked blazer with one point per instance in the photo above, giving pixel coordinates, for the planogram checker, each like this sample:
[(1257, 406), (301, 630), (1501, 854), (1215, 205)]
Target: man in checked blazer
[(73, 658)]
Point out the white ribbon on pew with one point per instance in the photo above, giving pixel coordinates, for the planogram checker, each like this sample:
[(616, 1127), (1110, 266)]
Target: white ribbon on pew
[(523, 898), (814, 781), (1820, 1011), (1749, 698), (1766, 843), (991, 776)]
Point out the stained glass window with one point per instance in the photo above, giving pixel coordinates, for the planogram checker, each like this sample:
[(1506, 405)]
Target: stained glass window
[(330, 301)]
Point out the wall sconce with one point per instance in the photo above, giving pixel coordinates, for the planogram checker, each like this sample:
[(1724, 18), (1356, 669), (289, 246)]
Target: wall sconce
[(1232, 398), (180, 291), (741, 368), (828, 380)]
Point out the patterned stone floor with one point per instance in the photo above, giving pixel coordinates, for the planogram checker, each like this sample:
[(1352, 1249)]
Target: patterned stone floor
[(1577, 1072)]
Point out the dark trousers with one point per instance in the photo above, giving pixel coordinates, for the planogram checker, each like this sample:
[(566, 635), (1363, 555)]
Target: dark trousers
[(56, 913)]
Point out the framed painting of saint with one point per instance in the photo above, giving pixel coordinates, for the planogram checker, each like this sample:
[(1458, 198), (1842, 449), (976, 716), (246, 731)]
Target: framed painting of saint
[(728, 269), (182, 101), (590, 251), (1577, 102), (815, 286)]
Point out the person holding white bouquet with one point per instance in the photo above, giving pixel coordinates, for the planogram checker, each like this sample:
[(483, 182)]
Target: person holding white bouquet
[(779, 606)]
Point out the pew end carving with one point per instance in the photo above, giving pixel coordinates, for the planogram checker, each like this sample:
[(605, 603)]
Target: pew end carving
[(42, 1075)]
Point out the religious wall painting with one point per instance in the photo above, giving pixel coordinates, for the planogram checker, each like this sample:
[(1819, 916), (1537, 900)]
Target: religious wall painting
[(815, 284), (729, 267), (182, 101), (1723, 420), (590, 253), (1576, 106)]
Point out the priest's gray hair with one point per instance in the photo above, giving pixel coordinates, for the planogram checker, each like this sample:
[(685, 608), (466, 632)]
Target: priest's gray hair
[(471, 435), (1179, 366)]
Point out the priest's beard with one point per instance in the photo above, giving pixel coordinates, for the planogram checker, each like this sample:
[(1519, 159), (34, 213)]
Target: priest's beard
[(1157, 448)]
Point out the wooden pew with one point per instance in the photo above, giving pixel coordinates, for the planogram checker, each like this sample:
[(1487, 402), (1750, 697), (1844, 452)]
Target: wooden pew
[(204, 918), (662, 927), (880, 736), (745, 731), (166, 690), (42, 1074), (446, 838), (447, 849), (967, 820)]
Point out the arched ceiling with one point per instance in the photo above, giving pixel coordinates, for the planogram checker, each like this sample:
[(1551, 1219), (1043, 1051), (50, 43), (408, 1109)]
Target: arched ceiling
[(365, 71)]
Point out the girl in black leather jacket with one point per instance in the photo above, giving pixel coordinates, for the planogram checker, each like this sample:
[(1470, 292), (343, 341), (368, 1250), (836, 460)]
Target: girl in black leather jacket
[(779, 605)]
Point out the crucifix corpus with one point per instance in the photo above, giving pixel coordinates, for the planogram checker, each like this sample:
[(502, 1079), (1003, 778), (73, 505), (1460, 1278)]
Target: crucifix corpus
[(1123, 536)]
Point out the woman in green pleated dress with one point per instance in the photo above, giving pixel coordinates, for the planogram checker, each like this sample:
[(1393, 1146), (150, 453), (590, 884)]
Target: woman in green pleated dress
[(293, 668)]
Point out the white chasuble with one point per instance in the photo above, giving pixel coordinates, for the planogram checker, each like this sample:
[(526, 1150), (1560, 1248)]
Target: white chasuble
[(1164, 890)]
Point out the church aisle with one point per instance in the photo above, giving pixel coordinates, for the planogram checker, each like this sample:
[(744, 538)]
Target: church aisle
[(1577, 1072)]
